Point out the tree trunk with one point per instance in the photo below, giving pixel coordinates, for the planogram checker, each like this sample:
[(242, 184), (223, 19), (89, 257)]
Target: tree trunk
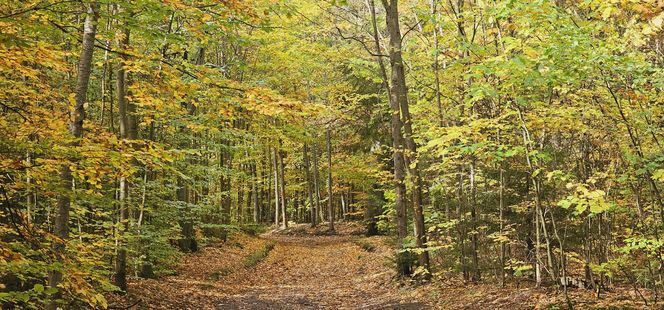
[(312, 207), (225, 160), (61, 218), (187, 243), (330, 210), (474, 223), (436, 70), (316, 183), (397, 138), (241, 191), (254, 193), (400, 92), (268, 176), (282, 186), (127, 132), (276, 189)]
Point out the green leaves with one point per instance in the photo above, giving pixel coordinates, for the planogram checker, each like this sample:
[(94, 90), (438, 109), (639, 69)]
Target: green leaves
[(584, 200)]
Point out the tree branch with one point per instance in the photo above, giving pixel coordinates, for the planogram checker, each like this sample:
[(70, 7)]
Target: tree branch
[(360, 41)]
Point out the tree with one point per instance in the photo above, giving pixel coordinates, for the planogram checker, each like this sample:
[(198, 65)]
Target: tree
[(77, 117)]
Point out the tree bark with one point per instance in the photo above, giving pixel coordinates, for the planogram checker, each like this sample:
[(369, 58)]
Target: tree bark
[(436, 70), (330, 210), (282, 186), (397, 138), (316, 183), (400, 91), (225, 160), (61, 218), (276, 189), (312, 207), (127, 132), (254, 192)]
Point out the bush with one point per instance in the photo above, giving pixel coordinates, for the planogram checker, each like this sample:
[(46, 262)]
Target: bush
[(253, 229), (404, 261)]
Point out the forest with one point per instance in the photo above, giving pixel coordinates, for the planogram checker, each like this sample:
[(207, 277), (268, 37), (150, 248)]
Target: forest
[(331, 154)]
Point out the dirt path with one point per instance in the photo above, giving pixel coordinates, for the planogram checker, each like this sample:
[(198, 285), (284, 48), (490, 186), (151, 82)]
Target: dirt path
[(319, 272), (302, 271), (306, 270)]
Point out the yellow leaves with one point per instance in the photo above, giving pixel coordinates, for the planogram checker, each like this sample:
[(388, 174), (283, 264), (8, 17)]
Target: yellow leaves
[(585, 199), (530, 52), (206, 18), (657, 21), (658, 175), (654, 25), (197, 128), (266, 102), (606, 13), (9, 255)]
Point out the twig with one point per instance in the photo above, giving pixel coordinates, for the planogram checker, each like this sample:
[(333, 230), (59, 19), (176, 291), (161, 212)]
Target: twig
[(179, 69), (360, 41), (35, 7)]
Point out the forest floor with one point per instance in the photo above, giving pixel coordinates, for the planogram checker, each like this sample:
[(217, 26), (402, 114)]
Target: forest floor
[(304, 268)]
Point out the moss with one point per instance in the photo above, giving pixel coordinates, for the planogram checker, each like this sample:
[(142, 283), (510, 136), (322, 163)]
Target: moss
[(256, 257)]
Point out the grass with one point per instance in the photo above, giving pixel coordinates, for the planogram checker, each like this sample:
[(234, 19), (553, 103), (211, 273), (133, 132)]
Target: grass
[(250, 261), (256, 257), (365, 245)]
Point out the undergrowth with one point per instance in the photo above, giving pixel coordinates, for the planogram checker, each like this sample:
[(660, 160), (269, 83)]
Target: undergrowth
[(365, 245), (256, 257)]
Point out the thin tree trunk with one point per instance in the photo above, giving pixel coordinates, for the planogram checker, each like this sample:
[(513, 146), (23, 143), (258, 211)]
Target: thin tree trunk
[(474, 223), (330, 210), (254, 192), (397, 139), (241, 191), (316, 183), (276, 189), (312, 207), (226, 161), (61, 219), (501, 206), (344, 212), (126, 133), (538, 258), (282, 185), (268, 176), (399, 104), (436, 70)]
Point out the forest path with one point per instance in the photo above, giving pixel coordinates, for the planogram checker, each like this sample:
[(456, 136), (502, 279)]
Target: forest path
[(306, 269), (320, 272)]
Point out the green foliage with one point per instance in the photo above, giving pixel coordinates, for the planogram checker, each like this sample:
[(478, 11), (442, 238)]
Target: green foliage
[(256, 257)]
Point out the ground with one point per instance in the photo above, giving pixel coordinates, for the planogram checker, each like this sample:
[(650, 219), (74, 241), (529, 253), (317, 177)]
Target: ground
[(312, 269), (306, 269)]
